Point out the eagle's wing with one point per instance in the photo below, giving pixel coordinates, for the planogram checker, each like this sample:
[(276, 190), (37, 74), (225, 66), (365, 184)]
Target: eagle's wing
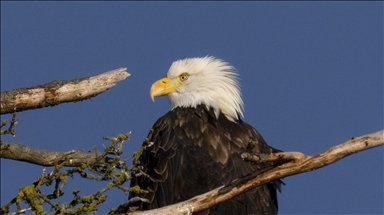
[(193, 153)]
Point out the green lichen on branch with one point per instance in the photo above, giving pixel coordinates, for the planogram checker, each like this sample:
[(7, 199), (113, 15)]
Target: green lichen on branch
[(112, 169), (138, 190)]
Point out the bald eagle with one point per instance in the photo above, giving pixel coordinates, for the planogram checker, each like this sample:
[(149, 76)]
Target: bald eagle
[(197, 145)]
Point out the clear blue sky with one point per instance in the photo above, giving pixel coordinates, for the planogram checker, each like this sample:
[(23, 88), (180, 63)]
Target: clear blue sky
[(311, 76)]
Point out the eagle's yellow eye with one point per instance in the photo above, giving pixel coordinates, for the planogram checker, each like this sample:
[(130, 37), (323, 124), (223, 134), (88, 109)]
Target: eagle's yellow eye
[(183, 77)]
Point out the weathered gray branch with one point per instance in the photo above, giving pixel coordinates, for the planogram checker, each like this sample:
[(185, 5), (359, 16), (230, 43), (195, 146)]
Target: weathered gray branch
[(299, 164), (57, 92), (28, 154)]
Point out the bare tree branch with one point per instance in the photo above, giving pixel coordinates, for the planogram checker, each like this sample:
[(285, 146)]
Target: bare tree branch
[(57, 92), (299, 164), (41, 157)]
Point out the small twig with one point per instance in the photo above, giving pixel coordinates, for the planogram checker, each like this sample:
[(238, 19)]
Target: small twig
[(23, 210), (11, 127)]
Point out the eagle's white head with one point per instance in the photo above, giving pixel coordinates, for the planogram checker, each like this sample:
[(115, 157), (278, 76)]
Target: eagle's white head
[(208, 80)]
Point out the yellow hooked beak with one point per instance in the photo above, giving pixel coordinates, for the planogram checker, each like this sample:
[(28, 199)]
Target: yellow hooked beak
[(163, 87)]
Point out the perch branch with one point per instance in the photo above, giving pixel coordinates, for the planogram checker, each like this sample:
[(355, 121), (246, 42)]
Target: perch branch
[(299, 164), (57, 92)]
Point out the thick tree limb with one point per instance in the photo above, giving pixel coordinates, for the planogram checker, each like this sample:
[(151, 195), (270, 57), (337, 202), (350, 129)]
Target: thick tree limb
[(57, 92), (298, 165), (28, 154)]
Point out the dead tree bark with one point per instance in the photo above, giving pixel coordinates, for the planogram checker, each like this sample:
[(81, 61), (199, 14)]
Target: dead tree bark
[(42, 157), (57, 92), (300, 163), (71, 158)]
